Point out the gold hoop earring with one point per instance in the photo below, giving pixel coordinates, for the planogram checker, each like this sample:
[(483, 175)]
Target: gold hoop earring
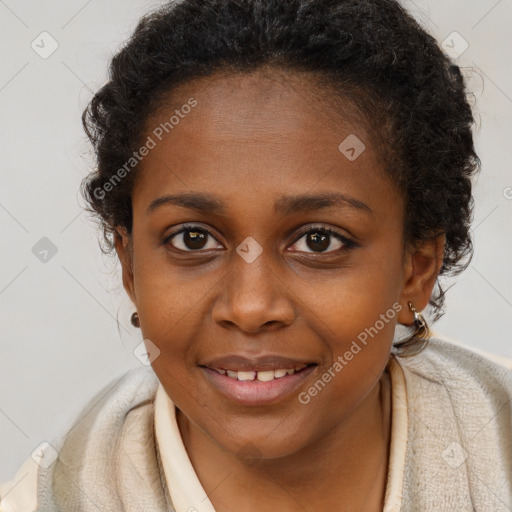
[(135, 319), (418, 341)]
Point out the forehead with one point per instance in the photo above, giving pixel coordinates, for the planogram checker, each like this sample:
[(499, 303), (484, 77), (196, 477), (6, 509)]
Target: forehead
[(262, 131), (289, 103)]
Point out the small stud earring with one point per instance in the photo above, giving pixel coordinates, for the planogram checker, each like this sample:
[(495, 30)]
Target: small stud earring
[(135, 319), (418, 340)]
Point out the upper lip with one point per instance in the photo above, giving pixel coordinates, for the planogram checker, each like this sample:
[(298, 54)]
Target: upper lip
[(263, 362)]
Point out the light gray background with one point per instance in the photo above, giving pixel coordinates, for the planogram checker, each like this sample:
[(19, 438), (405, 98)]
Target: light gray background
[(60, 341)]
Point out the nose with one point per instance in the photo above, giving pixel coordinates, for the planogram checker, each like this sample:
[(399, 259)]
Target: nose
[(254, 297)]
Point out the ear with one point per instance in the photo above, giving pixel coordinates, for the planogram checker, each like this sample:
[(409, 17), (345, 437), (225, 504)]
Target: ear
[(422, 266), (124, 249)]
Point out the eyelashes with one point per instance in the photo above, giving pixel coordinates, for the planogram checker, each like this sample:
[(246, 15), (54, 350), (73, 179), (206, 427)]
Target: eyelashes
[(346, 243), (191, 228), (198, 234)]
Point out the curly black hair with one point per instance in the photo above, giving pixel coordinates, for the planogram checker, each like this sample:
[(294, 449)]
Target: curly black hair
[(372, 52)]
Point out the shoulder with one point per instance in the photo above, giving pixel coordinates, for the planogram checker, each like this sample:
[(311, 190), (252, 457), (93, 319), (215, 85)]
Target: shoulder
[(499, 359), (459, 427), (31, 487), (456, 360), (459, 384)]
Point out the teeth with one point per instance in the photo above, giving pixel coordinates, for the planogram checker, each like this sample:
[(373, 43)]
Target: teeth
[(262, 376), (246, 375)]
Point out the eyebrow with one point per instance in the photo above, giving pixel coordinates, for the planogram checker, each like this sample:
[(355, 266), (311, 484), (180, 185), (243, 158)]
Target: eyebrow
[(285, 205)]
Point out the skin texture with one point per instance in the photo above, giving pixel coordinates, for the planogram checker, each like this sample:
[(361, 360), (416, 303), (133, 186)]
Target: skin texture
[(251, 139)]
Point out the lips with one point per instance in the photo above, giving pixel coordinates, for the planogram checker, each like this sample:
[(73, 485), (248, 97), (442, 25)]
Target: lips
[(266, 362), (259, 393), (257, 381)]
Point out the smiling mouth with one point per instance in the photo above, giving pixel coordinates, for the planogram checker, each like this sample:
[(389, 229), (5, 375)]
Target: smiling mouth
[(261, 375), (266, 385)]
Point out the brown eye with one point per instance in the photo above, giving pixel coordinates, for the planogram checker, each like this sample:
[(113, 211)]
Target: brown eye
[(322, 240), (191, 239)]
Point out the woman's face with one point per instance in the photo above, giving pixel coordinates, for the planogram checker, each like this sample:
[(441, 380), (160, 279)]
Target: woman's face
[(258, 164)]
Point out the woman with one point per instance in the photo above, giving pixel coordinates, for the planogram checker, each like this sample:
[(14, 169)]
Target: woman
[(284, 183)]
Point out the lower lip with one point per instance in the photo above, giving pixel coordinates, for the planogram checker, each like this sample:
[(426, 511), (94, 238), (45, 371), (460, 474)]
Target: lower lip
[(248, 392)]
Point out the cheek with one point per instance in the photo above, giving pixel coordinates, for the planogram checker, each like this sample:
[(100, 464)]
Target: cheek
[(355, 317), (356, 324), (362, 298), (360, 304), (174, 318), (357, 329), (168, 297)]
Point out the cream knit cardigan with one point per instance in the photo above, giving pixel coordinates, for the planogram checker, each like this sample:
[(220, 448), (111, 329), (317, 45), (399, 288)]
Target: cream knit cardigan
[(458, 454)]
